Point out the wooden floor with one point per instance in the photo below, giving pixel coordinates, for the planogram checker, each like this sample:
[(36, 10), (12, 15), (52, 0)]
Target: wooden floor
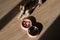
[(45, 14)]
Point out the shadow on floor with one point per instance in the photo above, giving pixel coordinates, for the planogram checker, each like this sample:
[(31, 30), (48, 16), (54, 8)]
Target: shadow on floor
[(52, 33), (8, 17)]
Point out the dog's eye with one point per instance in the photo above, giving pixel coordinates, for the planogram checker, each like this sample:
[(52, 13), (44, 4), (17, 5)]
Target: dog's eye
[(21, 7)]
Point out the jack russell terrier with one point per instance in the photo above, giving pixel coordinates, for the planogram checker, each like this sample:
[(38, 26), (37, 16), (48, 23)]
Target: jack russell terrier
[(27, 7)]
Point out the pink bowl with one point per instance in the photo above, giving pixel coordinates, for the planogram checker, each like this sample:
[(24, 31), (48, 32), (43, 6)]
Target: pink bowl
[(26, 23)]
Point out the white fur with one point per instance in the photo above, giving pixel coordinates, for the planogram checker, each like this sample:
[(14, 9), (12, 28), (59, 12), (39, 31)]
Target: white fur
[(40, 2), (20, 14), (25, 15)]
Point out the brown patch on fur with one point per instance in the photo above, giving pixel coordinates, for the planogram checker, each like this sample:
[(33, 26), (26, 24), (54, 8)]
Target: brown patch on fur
[(21, 7)]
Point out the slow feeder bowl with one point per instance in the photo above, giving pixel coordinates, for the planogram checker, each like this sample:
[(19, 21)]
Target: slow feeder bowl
[(26, 23)]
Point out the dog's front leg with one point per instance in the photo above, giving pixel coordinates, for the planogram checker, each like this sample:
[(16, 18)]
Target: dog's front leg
[(25, 15), (40, 2), (20, 14)]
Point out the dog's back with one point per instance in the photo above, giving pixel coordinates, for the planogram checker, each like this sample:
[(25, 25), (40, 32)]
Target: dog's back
[(31, 4)]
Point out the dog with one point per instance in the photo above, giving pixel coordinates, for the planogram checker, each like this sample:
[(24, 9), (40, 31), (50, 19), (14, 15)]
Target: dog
[(27, 7)]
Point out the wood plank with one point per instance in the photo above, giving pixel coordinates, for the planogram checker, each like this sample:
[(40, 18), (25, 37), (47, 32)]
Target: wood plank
[(6, 6)]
